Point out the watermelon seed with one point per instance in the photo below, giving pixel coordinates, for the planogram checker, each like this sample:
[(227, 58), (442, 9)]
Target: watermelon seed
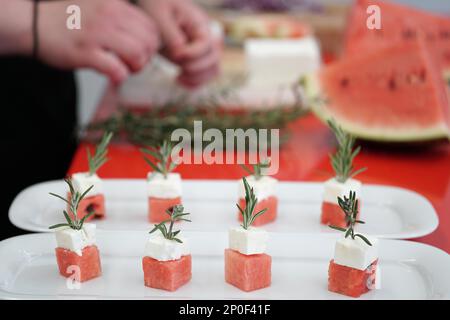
[(392, 84), (409, 34), (344, 82)]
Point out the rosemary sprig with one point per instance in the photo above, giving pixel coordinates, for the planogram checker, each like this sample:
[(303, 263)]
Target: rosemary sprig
[(175, 215), (257, 168), (162, 155), (250, 204), (99, 158), (350, 207), (342, 160), (73, 222)]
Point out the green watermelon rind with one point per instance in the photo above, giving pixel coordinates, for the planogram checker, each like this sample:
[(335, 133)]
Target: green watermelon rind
[(382, 134)]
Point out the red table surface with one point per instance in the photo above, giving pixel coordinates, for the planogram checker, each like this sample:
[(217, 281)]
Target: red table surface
[(422, 168)]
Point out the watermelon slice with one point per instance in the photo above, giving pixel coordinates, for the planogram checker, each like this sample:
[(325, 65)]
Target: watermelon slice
[(88, 263), (94, 203), (157, 208), (247, 272), (270, 203), (393, 94), (400, 25), (349, 281), (167, 275)]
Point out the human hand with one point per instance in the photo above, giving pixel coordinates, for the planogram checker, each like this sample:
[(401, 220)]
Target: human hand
[(115, 37), (187, 40)]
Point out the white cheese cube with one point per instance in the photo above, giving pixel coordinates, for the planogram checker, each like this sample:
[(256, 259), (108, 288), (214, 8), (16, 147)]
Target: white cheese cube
[(263, 188), (355, 253), (164, 188), (335, 189), (162, 249), (251, 241), (76, 240), (83, 180), (275, 62)]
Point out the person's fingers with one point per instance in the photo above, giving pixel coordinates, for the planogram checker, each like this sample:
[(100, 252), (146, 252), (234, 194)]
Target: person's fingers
[(142, 27), (107, 63), (202, 63), (193, 50), (171, 33), (197, 79), (129, 49)]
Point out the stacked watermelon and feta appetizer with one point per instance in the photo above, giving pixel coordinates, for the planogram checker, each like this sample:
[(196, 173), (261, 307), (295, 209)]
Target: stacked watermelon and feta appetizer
[(94, 200), (264, 188), (77, 254), (164, 186), (247, 266), (167, 263), (354, 269), (343, 182)]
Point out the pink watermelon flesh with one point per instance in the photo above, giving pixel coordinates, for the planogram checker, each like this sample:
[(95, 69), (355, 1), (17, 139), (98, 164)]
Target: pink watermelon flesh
[(396, 93), (400, 25), (248, 272)]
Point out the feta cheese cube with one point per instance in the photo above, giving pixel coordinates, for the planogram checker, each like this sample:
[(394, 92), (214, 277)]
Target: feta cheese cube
[(164, 188), (263, 188), (355, 253), (335, 189), (162, 249), (76, 240), (251, 241), (83, 180), (292, 58)]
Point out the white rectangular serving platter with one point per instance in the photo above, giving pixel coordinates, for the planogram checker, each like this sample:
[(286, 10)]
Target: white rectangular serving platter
[(409, 270), (389, 212)]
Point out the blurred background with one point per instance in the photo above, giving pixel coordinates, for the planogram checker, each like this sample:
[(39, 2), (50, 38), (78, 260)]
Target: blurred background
[(327, 17)]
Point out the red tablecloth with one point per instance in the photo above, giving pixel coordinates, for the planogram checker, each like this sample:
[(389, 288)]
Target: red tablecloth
[(424, 168)]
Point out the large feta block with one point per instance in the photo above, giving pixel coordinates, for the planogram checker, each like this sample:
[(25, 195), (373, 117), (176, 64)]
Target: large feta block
[(162, 249), (275, 62), (355, 253), (83, 180), (164, 187), (251, 241), (334, 189), (263, 188), (76, 240)]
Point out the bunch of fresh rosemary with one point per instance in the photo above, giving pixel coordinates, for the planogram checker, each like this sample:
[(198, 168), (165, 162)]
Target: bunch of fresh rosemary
[(250, 204), (257, 168), (99, 158), (155, 125), (342, 160), (350, 207), (162, 155), (175, 215), (74, 201)]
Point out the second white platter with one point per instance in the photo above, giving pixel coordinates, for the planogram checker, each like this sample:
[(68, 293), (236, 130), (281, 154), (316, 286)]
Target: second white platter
[(28, 269), (389, 212)]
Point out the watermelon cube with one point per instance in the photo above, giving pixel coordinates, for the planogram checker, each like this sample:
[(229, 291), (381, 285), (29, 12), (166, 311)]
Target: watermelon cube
[(349, 281), (247, 272), (167, 275), (83, 268), (333, 215), (271, 203), (157, 208), (94, 203)]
